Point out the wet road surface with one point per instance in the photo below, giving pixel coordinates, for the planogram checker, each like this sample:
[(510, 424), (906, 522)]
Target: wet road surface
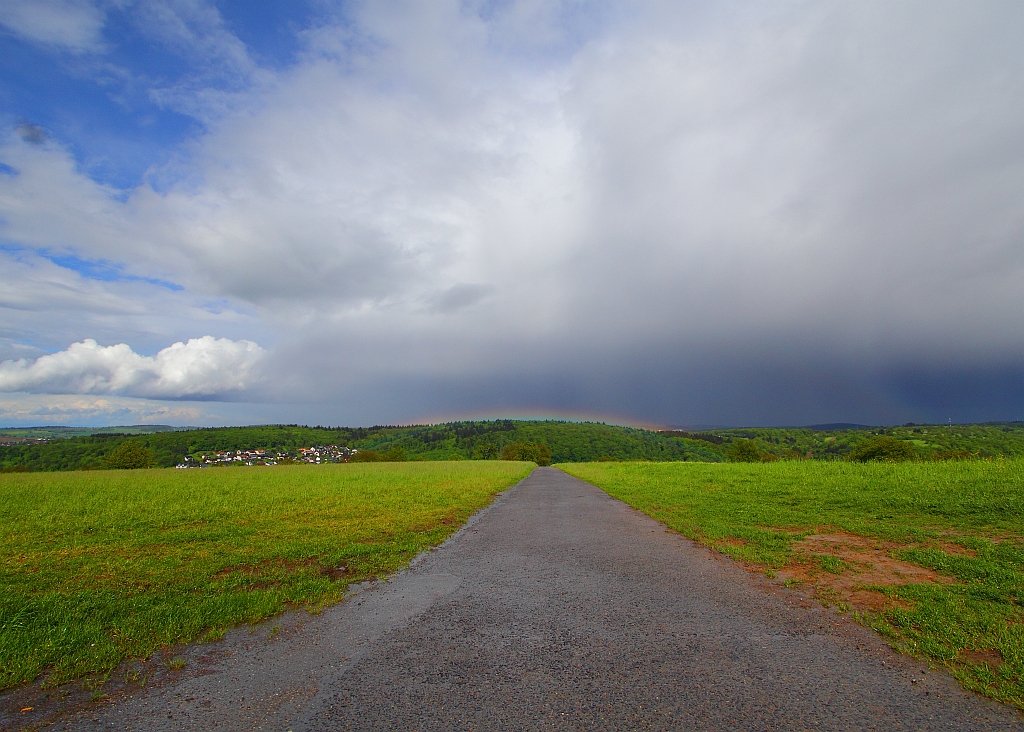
[(557, 608)]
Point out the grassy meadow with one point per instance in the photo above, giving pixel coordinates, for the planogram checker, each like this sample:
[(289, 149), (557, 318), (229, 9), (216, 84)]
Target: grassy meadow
[(102, 566), (930, 554)]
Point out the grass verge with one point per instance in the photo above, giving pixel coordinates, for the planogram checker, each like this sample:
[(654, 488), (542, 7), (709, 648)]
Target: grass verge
[(931, 555), (99, 567)]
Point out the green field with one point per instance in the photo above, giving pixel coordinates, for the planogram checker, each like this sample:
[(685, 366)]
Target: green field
[(99, 567), (930, 554)]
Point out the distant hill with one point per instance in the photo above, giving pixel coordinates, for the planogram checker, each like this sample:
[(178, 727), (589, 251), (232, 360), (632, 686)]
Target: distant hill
[(467, 440), (837, 426), (567, 441), (56, 432)]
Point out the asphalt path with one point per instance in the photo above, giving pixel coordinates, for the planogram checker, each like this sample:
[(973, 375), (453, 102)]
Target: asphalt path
[(557, 608)]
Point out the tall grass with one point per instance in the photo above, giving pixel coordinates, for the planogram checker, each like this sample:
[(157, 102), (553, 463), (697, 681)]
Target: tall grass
[(97, 567)]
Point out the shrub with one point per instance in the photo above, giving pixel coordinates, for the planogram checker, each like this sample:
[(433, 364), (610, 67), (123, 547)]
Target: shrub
[(392, 455), (884, 448)]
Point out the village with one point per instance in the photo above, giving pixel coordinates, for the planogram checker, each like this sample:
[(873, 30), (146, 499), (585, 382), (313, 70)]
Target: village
[(315, 455)]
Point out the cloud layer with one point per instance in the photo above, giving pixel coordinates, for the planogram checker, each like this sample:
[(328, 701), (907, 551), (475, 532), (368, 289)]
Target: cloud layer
[(45, 409), (68, 24), (203, 367), (681, 213)]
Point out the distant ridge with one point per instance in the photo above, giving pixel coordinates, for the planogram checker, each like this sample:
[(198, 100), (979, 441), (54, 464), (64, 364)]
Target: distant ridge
[(148, 427), (693, 428), (836, 426), (56, 448), (63, 431), (830, 427)]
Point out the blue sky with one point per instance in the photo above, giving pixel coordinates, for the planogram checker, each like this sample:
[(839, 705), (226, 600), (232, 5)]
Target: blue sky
[(660, 213)]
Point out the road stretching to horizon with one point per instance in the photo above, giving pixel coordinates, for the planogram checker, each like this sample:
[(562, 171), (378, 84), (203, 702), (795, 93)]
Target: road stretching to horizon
[(557, 608)]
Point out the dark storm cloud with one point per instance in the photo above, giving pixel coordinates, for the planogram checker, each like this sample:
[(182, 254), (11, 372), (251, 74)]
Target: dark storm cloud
[(662, 389)]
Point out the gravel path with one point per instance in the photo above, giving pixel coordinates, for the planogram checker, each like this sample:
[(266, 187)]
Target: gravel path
[(558, 608)]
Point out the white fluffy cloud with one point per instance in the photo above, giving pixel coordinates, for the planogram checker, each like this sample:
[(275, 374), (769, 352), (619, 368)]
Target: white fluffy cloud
[(203, 367), (46, 409), (71, 24)]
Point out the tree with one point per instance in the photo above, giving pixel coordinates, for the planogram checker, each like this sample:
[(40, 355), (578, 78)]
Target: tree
[(130, 455), (884, 448), (486, 451), (395, 454), (531, 452)]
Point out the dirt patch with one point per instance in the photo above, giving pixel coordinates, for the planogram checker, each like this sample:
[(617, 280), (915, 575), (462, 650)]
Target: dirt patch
[(996, 537), (337, 573), (841, 567), (36, 704), (954, 549), (987, 656), (259, 571), (869, 600)]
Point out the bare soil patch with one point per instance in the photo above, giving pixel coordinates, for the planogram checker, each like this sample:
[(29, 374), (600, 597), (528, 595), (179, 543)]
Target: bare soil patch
[(954, 549), (268, 567), (863, 564), (990, 656)]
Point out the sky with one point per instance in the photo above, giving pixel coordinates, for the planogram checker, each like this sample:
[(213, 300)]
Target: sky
[(642, 212)]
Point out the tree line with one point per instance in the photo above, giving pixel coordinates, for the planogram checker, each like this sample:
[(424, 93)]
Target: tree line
[(542, 441)]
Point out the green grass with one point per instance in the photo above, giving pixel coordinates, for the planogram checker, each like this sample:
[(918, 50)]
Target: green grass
[(99, 567), (975, 509)]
